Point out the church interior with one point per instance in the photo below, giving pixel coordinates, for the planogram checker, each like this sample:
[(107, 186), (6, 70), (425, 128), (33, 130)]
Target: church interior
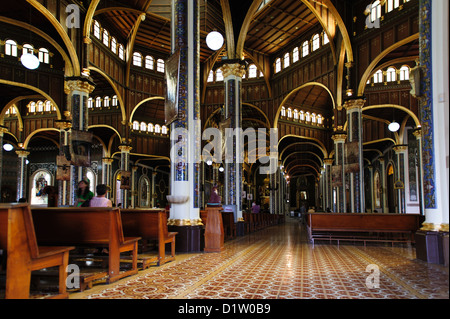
[(312, 110)]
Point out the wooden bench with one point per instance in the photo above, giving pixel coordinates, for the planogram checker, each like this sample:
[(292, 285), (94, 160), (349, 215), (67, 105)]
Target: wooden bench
[(150, 224), (90, 226), (362, 227), (24, 255), (229, 227), (213, 224)]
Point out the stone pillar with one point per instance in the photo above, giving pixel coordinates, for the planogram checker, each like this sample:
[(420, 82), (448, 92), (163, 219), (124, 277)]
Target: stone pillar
[(338, 173), (401, 152), (328, 191), (107, 174), (434, 116), (22, 176), (234, 157), (371, 195), (383, 176), (418, 134), (354, 156), (77, 90), (154, 173), (125, 150), (185, 131)]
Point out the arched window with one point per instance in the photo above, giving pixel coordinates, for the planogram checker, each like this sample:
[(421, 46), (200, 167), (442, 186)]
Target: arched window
[(307, 117), (283, 111), (219, 75), (277, 65), (315, 42), (295, 55), (106, 101), (151, 128), (211, 76), (90, 103), (40, 106), (27, 49), (391, 74), (289, 113), (252, 71), (392, 4), (44, 56), (287, 60), (378, 77), (164, 130), (302, 116), (143, 127), (305, 48), (149, 62), (319, 119), (375, 11), (137, 59), (32, 107), (98, 102), (121, 52), (106, 37), (295, 114), (96, 29), (48, 106), (11, 48), (157, 128), (136, 125), (404, 73), (114, 101), (160, 65), (114, 45), (313, 118)]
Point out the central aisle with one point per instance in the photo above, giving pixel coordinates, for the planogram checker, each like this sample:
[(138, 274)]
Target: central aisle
[(279, 263)]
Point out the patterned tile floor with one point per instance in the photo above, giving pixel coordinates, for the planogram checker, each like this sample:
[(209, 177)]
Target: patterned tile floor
[(279, 263)]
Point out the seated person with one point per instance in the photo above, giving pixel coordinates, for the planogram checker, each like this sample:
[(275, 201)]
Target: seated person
[(214, 199), (255, 208), (100, 200)]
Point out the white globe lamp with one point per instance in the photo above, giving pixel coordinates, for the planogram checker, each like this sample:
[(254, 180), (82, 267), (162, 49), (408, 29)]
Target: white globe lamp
[(214, 40), (394, 127), (30, 61)]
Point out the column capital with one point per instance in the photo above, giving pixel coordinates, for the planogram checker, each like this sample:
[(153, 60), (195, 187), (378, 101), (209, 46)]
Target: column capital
[(107, 160), (63, 124), (125, 148), (356, 103), (236, 69), (400, 148), (339, 138), (79, 84), (417, 132), (22, 153), (328, 161)]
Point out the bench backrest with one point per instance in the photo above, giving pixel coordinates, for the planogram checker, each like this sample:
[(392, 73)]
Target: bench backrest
[(145, 223), (71, 225), (364, 221), (17, 229)]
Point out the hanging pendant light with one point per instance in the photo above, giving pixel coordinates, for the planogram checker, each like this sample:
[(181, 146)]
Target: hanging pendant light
[(394, 126), (214, 40), (30, 61)]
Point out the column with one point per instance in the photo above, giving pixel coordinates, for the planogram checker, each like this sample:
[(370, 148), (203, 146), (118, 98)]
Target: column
[(234, 157), (338, 181), (22, 174), (371, 195), (107, 174), (418, 134), (134, 192), (383, 176), (185, 196), (328, 192), (3, 129), (354, 157), (125, 150), (434, 116), (77, 90), (399, 184), (64, 164)]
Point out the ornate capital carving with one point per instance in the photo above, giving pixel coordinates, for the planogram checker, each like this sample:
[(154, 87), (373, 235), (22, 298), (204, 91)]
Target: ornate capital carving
[(78, 85), (352, 104), (235, 69), (339, 138)]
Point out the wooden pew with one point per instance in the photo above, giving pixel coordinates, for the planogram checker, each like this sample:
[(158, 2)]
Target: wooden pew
[(362, 227), (24, 255), (229, 227), (90, 226), (150, 224)]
